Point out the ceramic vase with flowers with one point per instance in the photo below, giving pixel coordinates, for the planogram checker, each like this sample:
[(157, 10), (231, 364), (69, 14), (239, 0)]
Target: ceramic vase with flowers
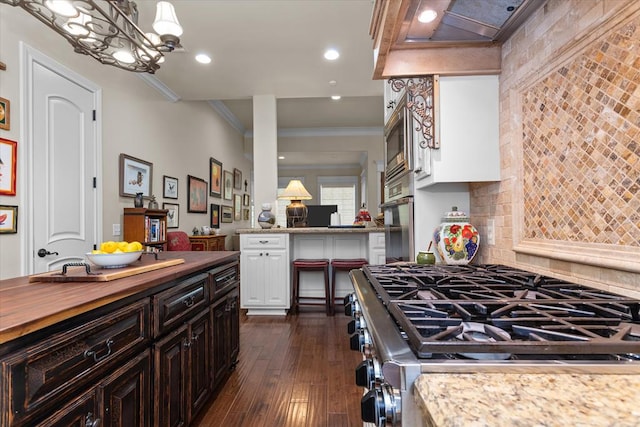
[(456, 239)]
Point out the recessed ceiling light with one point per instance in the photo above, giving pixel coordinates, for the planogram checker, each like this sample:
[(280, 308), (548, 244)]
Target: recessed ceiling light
[(335, 97), (280, 157), (331, 54), (427, 16), (203, 58), (333, 83)]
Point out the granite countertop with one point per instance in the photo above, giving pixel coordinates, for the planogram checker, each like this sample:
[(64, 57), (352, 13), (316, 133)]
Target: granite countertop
[(540, 400), (311, 230)]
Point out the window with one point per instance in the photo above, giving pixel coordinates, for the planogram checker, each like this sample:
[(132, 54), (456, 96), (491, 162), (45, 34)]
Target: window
[(341, 191)]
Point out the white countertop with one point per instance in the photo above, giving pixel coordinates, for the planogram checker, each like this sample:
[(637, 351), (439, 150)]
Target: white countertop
[(529, 400), (310, 230)]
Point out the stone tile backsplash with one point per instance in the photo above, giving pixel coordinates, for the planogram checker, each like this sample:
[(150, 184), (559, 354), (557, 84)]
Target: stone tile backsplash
[(581, 151)]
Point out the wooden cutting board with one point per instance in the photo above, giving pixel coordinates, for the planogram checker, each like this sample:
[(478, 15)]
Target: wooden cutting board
[(79, 274)]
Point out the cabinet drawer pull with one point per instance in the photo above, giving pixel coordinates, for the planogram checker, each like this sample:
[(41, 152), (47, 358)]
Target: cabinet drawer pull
[(91, 353), (264, 241), (187, 344), (189, 301)]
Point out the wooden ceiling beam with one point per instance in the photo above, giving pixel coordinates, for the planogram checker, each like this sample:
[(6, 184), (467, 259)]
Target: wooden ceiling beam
[(443, 61)]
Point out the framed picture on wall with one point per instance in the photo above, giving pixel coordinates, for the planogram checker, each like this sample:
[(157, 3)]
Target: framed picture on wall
[(237, 179), (135, 176), (8, 166), (173, 214), (215, 216), (226, 214), (197, 193), (215, 177), (170, 187), (5, 114), (237, 207), (8, 219), (228, 185)]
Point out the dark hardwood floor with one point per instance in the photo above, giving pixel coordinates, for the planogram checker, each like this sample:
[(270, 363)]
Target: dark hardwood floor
[(293, 371)]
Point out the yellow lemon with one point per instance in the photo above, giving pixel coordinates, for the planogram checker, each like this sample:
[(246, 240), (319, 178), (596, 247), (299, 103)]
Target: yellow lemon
[(108, 247), (118, 251), (97, 251), (131, 247), (138, 245), (122, 245)]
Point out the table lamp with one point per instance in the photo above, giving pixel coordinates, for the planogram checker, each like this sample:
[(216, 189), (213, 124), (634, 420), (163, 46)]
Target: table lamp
[(296, 210)]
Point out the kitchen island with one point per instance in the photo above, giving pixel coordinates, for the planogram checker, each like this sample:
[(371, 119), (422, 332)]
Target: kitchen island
[(267, 254), (520, 399), (147, 349)]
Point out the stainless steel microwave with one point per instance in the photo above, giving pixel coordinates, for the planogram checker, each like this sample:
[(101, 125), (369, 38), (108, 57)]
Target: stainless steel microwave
[(398, 137), (398, 143)]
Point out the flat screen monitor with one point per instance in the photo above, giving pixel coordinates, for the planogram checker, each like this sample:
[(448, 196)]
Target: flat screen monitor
[(320, 215)]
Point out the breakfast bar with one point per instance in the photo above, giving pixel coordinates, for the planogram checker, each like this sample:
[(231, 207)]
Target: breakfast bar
[(266, 256)]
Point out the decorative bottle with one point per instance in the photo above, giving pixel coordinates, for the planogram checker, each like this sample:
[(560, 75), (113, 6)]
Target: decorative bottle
[(456, 240), (266, 218), (138, 201)]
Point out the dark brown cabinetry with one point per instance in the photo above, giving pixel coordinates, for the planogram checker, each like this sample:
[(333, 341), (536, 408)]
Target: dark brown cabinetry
[(208, 243), (145, 361)]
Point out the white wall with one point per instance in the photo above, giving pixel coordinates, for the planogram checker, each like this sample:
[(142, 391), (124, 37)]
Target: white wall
[(178, 138)]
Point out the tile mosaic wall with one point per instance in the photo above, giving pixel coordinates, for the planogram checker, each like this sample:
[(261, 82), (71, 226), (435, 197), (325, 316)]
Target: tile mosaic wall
[(571, 170), (581, 146)]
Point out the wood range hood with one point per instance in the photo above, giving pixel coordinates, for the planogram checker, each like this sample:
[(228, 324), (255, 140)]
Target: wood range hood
[(465, 38)]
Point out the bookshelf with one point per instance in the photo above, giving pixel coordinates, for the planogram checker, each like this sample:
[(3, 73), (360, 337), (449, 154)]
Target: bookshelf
[(147, 226)]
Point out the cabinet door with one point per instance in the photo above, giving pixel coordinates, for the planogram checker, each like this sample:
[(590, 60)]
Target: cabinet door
[(125, 395), (170, 375), (274, 278), (234, 327), (252, 278), (220, 343), (80, 412), (199, 362)]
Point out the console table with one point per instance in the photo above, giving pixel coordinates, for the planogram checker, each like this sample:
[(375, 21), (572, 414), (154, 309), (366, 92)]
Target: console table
[(208, 243)]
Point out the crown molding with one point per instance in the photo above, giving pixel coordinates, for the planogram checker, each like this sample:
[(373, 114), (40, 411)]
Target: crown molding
[(155, 83)]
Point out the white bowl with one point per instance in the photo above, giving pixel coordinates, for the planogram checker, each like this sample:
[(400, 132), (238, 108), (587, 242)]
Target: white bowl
[(117, 260)]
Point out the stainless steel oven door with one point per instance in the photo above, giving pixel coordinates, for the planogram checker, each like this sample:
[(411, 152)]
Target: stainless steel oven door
[(398, 230)]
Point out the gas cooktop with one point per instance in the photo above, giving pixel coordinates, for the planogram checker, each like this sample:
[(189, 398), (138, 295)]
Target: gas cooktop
[(499, 312)]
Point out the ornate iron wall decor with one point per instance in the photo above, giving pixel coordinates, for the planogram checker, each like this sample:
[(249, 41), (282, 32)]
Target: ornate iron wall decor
[(420, 102)]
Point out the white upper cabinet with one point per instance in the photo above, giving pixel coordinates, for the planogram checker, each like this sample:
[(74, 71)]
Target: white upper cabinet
[(466, 118)]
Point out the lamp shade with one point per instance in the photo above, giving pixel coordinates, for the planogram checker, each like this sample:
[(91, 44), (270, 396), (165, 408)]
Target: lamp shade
[(166, 21), (295, 191)]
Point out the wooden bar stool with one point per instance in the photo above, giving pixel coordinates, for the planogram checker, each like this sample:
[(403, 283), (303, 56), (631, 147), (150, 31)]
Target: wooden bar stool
[(300, 265), (342, 265)]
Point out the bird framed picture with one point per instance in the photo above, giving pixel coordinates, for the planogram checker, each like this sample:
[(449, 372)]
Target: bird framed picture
[(173, 214), (170, 187)]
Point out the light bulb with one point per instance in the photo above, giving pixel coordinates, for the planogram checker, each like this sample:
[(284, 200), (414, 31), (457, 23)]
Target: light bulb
[(62, 7), (124, 56)]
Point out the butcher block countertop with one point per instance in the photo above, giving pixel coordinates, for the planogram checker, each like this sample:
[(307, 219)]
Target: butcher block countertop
[(27, 307), (529, 400)]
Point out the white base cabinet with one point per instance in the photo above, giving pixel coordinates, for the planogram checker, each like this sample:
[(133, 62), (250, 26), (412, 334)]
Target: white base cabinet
[(264, 270)]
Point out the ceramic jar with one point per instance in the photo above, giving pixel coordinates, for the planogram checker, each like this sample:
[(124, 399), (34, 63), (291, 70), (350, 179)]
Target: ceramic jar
[(138, 201), (266, 218), (456, 239), (153, 204), (425, 257)]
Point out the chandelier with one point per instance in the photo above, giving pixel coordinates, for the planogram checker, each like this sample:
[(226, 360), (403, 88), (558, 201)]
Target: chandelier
[(108, 30)]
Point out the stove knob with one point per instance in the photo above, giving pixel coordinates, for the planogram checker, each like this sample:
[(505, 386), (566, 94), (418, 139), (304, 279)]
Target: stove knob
[(356, 325), (361, 342), (369, 373), (381, 406)]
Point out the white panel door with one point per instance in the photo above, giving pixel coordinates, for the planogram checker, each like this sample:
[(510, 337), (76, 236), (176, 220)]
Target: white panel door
[(64, 166)]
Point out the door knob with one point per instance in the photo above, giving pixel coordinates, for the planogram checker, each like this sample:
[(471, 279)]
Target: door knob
[(43, 253)]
